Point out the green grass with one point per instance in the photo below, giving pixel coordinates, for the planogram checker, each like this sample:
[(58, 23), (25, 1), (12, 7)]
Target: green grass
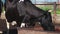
[(47, 8), (58, 12)]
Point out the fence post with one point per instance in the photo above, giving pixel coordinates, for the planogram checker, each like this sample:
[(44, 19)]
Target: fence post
[(54, 15)]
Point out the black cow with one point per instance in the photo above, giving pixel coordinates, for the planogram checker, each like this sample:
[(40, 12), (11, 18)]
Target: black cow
[(35, 14), (11, 11), (29, 10), (12, 14), (17, 11)]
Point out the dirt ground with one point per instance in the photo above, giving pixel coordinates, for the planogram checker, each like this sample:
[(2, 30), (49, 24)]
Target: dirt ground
[(22, 31)]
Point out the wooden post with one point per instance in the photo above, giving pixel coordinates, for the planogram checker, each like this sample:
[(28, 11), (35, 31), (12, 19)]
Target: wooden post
[(54, 15), (58, 5), (55, 8)]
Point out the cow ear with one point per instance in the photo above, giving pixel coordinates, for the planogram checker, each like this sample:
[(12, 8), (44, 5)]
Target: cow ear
[(49, 10)]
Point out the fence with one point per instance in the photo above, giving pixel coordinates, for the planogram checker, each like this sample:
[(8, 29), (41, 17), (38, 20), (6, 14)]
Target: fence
[(54, 4)]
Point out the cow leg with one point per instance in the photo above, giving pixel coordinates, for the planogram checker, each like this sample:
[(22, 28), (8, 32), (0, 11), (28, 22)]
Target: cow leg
[(18, 24), (10, 31), (13, 31), (31, 24), (6, 32)]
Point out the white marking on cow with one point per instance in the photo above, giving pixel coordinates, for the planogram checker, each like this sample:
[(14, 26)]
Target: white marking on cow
[(22, 25), (1, 32), (21, 0), (49, 10), (39, 23), (7, 24), (14, 23)]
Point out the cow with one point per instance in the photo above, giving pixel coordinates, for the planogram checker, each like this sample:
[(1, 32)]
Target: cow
[(18, 11), (11, 14), (11, 11), (35, 14)]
